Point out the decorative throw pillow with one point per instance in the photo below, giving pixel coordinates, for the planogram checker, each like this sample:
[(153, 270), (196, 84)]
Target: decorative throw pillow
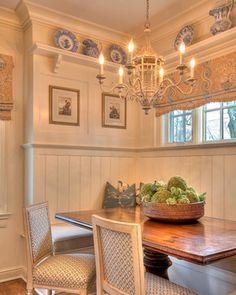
[(125, 197)]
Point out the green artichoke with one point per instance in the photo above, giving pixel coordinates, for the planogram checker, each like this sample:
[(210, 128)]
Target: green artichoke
[(161, 195), (177, 181)]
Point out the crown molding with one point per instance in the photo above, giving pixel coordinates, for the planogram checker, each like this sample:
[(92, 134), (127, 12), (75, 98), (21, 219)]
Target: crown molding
[(195, 15), (8, 18), (38, 14), (185, 17), (208, 49)]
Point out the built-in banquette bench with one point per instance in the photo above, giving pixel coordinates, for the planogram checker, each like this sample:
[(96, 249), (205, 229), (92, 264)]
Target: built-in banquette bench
[(68, 238)]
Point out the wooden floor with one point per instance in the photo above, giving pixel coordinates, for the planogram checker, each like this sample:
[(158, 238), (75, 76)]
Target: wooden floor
[(16, 287)]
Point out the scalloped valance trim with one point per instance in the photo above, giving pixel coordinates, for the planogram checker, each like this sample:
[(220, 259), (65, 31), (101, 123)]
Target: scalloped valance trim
[(216, 82)]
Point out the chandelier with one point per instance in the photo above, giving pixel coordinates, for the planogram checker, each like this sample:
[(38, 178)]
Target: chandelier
[(144, 80)]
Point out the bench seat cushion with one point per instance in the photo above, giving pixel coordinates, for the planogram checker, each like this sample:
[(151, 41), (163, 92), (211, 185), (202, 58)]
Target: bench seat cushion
[(70, 238)]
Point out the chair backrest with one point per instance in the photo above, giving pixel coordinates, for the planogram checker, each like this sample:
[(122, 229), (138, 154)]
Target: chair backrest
[(119, 257), (38, 231)]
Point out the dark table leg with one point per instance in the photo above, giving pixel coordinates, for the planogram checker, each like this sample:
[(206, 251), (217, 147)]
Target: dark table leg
[(157, 263)]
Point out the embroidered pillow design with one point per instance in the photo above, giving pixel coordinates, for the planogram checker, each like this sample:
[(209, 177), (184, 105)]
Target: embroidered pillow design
[(117, 198)]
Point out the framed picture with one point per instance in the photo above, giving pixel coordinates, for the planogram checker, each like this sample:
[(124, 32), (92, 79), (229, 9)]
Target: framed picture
[(63, 106), (113, 111)]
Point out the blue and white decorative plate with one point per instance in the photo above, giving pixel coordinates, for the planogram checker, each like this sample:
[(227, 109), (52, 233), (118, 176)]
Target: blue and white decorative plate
[(185, 35), (90, 48), (66, 40), (117, 54)]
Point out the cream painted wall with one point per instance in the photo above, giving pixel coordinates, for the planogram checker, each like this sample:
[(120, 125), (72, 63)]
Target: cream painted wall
[(90, 132), (11, 243)]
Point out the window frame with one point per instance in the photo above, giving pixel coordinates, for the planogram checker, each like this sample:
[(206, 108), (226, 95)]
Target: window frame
[(221, 109), (198, 130)]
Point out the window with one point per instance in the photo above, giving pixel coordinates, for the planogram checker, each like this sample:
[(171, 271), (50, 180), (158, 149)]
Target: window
[(210, 123), (180, 126), (219, 121)]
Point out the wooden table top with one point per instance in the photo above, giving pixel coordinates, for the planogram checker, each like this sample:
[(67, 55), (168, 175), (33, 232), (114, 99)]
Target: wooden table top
[(205, 241)]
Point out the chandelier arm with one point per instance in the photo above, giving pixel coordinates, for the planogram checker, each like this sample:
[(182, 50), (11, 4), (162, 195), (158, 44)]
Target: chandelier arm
[(173, 86)]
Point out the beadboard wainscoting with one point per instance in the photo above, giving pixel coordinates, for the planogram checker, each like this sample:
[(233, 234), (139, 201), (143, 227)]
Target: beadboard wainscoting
[(74, 179), (210, 170)]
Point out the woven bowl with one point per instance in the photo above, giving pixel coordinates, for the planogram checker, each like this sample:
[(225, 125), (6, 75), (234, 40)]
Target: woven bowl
[(174, 213)]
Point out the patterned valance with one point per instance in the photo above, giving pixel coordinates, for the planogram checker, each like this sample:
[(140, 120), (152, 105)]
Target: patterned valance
[(6, 97), (216, 81)]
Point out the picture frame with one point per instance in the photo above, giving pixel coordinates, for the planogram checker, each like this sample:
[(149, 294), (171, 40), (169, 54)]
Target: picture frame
[(114, 111), (64, 105)]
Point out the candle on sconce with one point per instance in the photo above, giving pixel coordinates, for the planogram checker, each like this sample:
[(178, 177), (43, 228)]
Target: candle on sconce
[(192, 66), (101, 61), (121, 73), (161, 75), (181, 52), (130, 50)]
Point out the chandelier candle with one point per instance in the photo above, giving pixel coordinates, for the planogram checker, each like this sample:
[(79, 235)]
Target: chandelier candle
[(101, 61), (130, 49), (161, 75), (121, 73), (181, 52), (192, 66), (144, 80)]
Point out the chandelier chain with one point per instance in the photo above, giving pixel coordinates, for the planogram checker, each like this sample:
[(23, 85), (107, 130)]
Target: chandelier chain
[(147, 11)]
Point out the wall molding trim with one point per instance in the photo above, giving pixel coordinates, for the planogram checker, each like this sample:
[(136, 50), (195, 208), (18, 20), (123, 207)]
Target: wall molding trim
[(9, 19), (77, 147), (3, 219), (203, 146), (13, 273)]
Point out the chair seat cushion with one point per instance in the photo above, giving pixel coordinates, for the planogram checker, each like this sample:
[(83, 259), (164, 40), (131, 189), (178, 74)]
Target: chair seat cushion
[(158, 286), (68, 238), (73, 271)]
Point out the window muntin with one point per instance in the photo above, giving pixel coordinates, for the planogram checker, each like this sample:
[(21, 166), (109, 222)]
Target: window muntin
[(219, 121), (180, 124)]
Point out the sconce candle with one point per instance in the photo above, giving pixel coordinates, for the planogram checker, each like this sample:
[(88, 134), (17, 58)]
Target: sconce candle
[(181, 52), (101, 61)]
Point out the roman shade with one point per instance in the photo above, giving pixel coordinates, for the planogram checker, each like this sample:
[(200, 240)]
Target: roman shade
[(216, 81), (6, 96)]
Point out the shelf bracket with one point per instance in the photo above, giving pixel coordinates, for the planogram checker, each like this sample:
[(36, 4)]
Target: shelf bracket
[(57, 62)]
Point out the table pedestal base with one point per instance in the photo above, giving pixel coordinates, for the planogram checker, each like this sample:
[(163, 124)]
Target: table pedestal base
[(157, 263)]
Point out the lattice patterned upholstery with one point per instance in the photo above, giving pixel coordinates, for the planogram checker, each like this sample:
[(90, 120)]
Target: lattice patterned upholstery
[(118, 260), (75, 270), (40, 232), (69, 272), (158, 286)]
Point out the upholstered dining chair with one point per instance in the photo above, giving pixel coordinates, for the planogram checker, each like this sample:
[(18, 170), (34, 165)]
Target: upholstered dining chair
[(119, 262), (72, 273)]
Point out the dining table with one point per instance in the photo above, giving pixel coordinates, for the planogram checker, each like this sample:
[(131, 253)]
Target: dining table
[(202, 242)]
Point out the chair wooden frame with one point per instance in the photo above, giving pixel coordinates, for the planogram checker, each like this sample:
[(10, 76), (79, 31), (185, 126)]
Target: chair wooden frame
[(30, 261), (134, 230)]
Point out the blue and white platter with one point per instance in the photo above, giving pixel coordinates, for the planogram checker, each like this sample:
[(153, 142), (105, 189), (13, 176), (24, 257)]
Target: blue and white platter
[(66, 40), (117, 54), (185, 35), (90, 48)]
